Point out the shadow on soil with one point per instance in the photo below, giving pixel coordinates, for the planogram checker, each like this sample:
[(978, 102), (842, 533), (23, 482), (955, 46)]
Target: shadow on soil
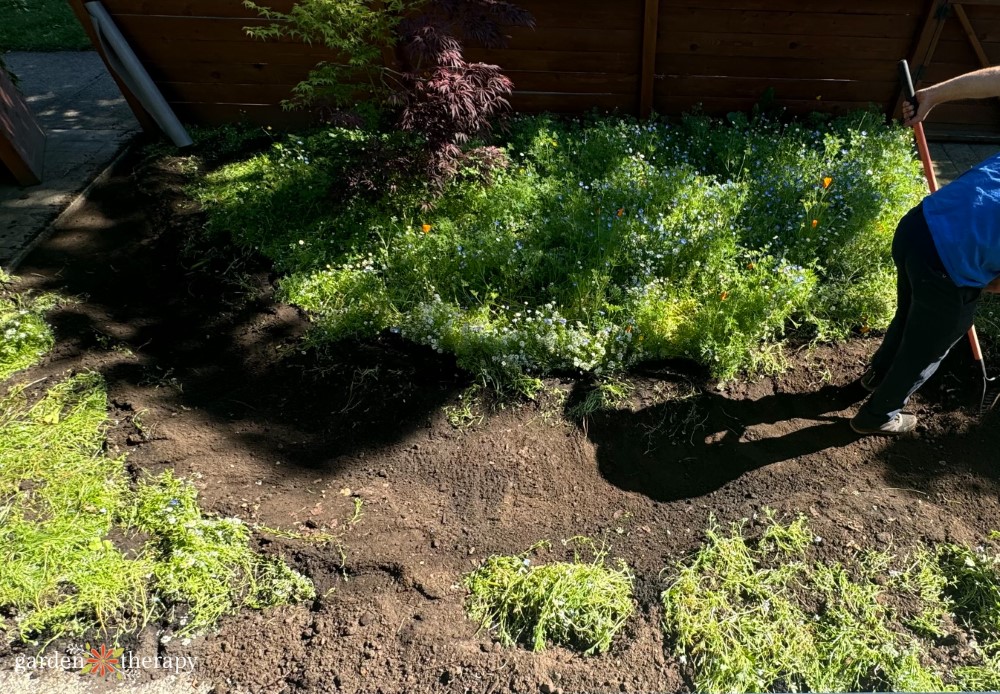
[(213, 340), (688, 448), (691, 447)]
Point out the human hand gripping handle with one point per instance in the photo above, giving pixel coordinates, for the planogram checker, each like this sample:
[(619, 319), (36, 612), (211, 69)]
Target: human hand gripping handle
[(915, 119)]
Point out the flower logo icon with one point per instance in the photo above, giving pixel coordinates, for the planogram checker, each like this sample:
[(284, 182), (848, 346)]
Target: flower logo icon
[(103, 661)]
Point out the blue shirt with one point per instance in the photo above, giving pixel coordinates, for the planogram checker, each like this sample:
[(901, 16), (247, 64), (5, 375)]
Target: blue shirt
[(964, 219)]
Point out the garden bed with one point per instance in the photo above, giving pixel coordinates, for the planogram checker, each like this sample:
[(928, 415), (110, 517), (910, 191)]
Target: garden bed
[(286, 439)]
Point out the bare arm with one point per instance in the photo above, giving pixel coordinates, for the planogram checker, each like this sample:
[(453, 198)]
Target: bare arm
[(980, 84)]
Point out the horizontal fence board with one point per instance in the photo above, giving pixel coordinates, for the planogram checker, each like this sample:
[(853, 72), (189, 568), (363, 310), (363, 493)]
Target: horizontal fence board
[(557, 61), (255, 114), (674, 105), (226, 93), (227, 73), (143, 28), (586, 14), (790, 23), (823, 69), (784, 89), (571, 39), (960, 52), (190, 8), (860, 7), (534, 102), (245, 52), (781, 46), (577, 82)]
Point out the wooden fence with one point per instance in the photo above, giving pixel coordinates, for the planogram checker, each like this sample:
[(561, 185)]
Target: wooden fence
[(628, 55)]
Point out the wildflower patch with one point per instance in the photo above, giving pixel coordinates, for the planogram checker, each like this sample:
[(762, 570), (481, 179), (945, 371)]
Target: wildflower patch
[(604, 243)]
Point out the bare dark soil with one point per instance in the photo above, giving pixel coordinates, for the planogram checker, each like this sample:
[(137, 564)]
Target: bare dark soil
[(199, 348)]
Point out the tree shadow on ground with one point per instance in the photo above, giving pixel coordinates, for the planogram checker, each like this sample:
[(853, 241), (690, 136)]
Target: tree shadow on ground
[(693, 446), (198, 336)]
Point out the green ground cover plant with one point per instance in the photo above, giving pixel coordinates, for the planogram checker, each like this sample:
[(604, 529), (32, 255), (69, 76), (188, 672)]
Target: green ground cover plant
[(765, 615), (577, 604), (64, 503), (605, 241), (24, 335), (40, 25)]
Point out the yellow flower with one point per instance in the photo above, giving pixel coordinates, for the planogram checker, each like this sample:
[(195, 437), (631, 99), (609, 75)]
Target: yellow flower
[(621, 211), (827, 181), (426, 228), (724, 295)]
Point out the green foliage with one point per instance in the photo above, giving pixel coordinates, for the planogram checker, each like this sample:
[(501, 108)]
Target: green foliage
[(58, 500), (580, 605), (24, 335), (357, 30), (207, 564), (62, 500), (973, 585), (763, 616), (606, 242), (40, 25)]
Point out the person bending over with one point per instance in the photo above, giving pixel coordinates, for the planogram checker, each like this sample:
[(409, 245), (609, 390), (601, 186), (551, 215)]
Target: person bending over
[(947, 253)]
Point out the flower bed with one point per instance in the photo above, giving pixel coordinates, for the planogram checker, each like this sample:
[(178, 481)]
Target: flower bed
[(605, 242)]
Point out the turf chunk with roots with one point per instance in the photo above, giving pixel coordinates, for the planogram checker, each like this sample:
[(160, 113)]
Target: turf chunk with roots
[(580, 605), (765, 615)]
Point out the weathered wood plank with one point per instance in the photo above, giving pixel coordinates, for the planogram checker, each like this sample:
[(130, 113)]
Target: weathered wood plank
[(22, 141)]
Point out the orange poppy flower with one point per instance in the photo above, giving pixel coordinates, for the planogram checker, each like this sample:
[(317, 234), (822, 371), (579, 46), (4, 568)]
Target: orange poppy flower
[(724, 295), (426, 228), (621, 211), (827, 181), (815, 223)]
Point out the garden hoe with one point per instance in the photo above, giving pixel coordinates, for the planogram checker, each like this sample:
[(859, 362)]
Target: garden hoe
[(990, 391)]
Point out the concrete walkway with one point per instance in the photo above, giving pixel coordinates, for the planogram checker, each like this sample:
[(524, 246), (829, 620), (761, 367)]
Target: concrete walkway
[(87, 122), (952, 159)]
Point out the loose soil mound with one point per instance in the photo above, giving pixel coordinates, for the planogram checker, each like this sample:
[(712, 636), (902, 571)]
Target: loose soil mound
[(212, 364)]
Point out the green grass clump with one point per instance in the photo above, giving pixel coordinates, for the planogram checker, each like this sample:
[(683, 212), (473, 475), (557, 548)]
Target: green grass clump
[(579, 605), (58, 500), (62, 501), (762, 617), (207, 564), (40, 25), (24, 335), (973, 585), (604, 243)]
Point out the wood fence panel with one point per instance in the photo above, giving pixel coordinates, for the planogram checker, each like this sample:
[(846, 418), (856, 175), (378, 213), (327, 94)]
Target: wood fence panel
[(22, 141), (829, 56), (628, 55), (954, 53)]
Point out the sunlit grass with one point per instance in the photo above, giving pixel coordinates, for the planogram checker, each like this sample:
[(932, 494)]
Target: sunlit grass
[(578, 604), (763, 614)]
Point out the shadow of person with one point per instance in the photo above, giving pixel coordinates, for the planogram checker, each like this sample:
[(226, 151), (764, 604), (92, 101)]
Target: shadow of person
[(692, 446)]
